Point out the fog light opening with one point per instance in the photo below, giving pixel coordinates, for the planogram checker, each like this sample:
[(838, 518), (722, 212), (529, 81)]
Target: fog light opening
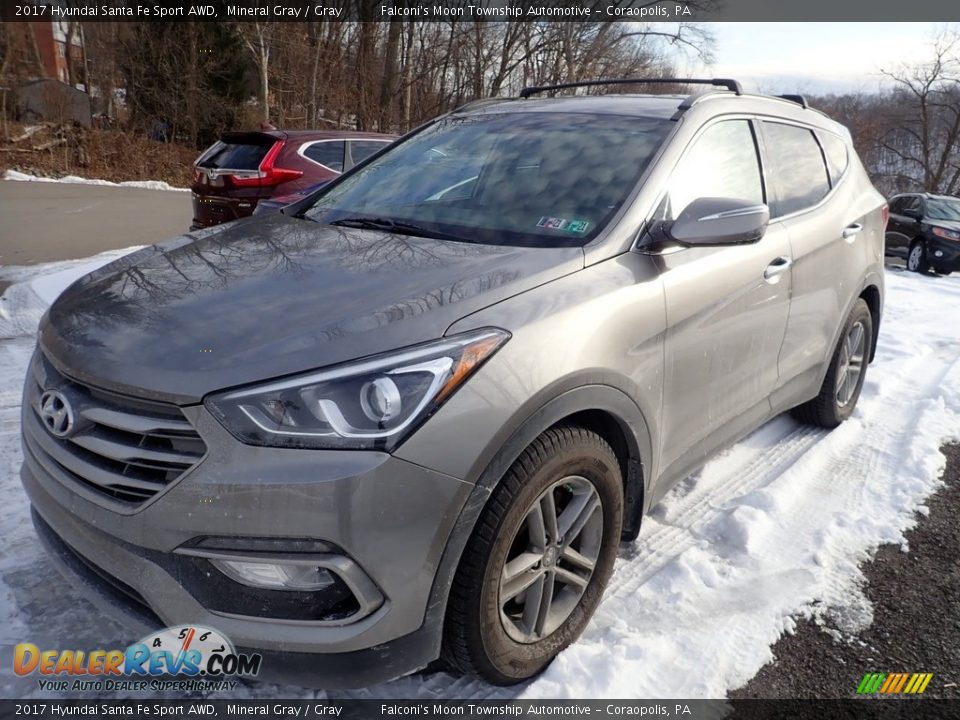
[(277, 576)]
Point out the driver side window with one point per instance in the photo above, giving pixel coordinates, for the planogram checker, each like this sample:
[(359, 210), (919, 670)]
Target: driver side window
[(912, 206), (722, 162)]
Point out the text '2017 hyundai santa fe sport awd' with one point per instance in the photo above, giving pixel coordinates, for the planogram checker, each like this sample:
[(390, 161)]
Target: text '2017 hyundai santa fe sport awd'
[(413, 415)]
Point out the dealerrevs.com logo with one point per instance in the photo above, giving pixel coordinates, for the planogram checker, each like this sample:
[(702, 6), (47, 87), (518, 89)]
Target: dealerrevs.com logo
[(181, 658)]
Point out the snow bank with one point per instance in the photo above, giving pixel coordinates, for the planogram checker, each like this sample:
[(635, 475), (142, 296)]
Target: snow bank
[(74, 180), (772, 530), (36, 287)]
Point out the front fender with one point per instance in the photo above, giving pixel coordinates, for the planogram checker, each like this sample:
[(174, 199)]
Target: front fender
[(613, 403)]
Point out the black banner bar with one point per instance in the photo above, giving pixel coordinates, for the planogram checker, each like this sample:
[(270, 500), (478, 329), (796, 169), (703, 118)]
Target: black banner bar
[(482, 10), (869, 708)]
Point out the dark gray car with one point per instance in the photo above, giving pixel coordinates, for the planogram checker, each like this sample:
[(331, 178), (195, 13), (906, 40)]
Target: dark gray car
[(407, 418), (924, 230)]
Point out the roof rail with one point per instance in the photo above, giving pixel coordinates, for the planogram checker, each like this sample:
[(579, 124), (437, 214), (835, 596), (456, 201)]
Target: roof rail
[(798, 99), (719, 82)]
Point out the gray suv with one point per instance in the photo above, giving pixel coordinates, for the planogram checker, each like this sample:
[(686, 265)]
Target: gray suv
[(413, 416)]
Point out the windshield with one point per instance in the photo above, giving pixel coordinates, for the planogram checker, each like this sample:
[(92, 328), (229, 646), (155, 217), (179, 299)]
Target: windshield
[(943, 209), (542, 179)]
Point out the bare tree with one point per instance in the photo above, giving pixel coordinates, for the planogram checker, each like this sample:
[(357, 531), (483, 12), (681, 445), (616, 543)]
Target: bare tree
[(922, 139), (361, 74), (259, 38)]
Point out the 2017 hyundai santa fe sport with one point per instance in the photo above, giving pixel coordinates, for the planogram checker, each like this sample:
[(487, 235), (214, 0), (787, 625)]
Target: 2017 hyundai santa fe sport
[(413, 415)]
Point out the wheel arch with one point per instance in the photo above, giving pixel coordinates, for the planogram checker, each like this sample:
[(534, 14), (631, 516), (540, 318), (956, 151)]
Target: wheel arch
[(614, 430), (604, 409), (871, 295)]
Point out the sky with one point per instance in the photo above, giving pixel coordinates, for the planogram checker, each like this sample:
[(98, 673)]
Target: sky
[(815, 58)]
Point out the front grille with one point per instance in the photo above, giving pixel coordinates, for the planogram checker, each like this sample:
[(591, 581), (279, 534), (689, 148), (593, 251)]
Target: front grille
[(127, 449)]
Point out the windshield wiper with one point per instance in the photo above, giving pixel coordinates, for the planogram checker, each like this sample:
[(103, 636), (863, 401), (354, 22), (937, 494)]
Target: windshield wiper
[(395, 226)]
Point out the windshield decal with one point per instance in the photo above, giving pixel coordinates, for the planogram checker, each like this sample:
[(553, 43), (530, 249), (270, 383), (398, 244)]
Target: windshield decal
[(572, 226)]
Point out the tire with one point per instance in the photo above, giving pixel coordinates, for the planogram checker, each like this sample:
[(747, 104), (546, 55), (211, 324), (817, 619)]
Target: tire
[(575, 469), (917, 258), (834, 403)]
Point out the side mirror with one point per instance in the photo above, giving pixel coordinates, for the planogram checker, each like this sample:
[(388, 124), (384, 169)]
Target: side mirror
[(913, 213), (720, 221)]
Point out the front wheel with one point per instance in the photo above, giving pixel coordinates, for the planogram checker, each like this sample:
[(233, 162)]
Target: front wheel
[(535, 568), (917, 258), (844, 380)]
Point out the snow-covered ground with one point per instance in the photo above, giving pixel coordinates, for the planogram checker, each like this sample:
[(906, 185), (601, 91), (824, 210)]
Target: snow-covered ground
[(75, 180), (769, 531)]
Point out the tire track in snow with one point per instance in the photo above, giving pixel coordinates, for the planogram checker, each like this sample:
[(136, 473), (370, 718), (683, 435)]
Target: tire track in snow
[(850, 464), (683, 511)]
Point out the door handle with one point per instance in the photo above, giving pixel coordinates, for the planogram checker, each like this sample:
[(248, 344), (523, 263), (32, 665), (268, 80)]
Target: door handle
[(852, 229), (776, 268)]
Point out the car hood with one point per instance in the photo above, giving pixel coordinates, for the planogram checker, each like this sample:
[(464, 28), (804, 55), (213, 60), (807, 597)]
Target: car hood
[(947, 224), (271, 296)]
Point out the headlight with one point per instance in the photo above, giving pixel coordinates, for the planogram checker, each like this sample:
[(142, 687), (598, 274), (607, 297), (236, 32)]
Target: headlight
[(944, 233), (372, 403)]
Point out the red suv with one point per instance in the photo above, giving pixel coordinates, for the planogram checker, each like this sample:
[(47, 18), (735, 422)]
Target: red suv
[(242, 168)]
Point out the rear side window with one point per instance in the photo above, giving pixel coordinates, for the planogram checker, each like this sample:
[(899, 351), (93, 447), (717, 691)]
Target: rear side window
[(798, 167), (835, 150), (329, 153), (234, 156), (360, 150), (722, 162)]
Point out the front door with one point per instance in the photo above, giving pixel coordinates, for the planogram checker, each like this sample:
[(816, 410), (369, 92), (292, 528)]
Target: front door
[(726, 307)]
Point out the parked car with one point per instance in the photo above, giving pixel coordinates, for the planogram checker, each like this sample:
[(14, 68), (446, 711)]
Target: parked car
[(924, 230), (242, 169), (408, 418)]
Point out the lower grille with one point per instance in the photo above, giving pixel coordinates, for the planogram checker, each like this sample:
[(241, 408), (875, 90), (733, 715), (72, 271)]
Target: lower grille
[(124, 448)]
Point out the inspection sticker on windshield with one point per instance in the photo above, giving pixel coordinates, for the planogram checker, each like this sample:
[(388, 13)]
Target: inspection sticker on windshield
[(573, 226)]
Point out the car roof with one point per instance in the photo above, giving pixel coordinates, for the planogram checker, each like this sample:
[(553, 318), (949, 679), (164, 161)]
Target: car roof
[(666, 106)]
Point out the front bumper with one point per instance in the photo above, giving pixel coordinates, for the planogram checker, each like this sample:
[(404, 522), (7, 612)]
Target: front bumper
[(943, 254), (330, 671), (390, 517)]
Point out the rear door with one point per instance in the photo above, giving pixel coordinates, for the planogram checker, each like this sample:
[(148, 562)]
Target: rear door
[(893, 244), (726, 307), (903, 225)]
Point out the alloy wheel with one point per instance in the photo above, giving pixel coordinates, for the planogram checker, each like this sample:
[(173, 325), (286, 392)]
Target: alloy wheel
[(851, 363), (915, 258), (551, 559)]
